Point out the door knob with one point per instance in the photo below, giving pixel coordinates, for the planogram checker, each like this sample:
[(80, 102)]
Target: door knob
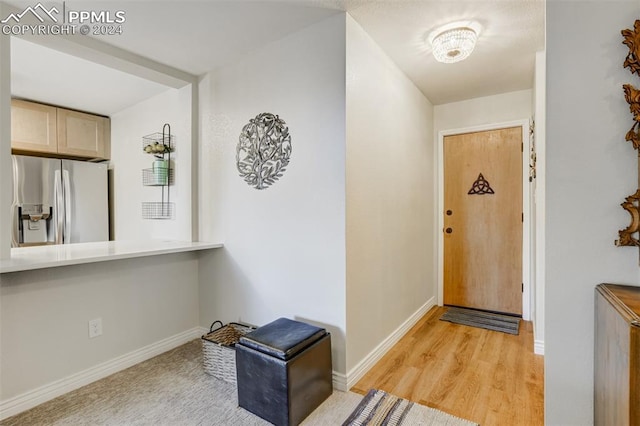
[(448, 230), (449, 212)]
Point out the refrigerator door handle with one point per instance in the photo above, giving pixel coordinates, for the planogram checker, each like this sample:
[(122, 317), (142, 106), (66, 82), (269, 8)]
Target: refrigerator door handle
[(15, 231), (67, 206), (15, 225), (58, 197)]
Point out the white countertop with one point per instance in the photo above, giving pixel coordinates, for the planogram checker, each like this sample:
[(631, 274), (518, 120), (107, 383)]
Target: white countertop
[(39, 257)]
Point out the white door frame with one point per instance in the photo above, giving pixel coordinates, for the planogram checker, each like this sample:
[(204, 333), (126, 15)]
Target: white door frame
[(526, 208)]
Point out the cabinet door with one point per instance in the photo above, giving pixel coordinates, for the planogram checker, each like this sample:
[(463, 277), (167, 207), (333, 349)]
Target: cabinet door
[(33, 127), (617, 355), (611, 365), (82, 135)]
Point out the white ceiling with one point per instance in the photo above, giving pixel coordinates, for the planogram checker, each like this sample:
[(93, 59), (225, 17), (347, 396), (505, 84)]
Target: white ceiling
[(503, 60), (198, 36), (49, 76)]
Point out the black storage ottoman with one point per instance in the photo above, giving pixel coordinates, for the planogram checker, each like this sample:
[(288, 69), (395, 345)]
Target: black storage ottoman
[(284, 371)]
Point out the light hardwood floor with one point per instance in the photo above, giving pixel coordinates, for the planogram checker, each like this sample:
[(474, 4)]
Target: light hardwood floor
[(488, 377)]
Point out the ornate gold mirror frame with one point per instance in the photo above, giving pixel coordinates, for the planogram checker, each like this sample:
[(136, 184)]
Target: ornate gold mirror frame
[(629, 235)]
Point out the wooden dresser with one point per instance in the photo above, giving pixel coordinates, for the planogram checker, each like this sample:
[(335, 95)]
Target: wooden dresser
[(617, 355)]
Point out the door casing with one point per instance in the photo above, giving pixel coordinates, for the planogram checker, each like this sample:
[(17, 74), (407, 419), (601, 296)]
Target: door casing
[(526, 208)]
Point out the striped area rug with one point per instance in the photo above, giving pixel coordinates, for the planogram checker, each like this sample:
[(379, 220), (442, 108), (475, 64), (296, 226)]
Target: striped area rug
[(379, 408), (481, 319)]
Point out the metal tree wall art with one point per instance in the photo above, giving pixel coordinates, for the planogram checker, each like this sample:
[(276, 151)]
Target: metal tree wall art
[(632, 96), (631, 204), (533, 157), (632, 41), (263, 150), (628, 236)]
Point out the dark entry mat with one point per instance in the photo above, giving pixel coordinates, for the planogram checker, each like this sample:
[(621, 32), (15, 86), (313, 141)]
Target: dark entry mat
[(481, 319)]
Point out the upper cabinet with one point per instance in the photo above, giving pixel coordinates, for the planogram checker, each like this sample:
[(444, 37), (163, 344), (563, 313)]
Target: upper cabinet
[(44, 129), (83, 135), (33, 127)]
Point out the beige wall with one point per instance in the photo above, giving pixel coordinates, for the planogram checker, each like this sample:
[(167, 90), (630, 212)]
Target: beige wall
[(284, 253), (127, 161), (45, 315), (590, 169), (537, 201), (390, 193), (5, 143), (501, 108)]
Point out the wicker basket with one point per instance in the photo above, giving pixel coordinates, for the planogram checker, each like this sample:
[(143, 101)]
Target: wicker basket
[(219, 352)]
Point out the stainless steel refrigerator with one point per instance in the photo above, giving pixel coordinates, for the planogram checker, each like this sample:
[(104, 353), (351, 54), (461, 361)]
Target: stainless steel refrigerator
[(58, 201)]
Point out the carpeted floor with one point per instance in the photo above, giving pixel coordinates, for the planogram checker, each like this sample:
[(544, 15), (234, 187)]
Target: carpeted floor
[(171, 389)]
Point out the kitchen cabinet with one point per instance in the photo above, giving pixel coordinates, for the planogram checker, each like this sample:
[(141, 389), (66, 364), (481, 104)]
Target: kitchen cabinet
[(33, 127), (44, 129), (83, 135), (617, 355)]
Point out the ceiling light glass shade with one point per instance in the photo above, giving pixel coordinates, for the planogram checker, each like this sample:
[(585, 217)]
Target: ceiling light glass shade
[(454, 45)]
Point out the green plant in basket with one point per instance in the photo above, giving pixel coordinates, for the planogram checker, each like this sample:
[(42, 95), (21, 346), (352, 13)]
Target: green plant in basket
[(157, 148)]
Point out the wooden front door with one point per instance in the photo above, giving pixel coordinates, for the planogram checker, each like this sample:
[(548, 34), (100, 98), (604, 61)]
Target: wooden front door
[(483, 220)]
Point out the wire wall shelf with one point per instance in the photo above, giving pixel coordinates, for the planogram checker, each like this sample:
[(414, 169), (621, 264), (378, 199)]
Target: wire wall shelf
[(160, 176), (159, 143), (158, 210)]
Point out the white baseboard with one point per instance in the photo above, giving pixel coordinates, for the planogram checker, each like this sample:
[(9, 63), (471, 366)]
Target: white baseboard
[(538, 347), (339, 381), (30, 399), (374, 356)]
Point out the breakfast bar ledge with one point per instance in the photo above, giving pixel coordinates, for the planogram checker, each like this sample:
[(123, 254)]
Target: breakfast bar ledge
[(51, 256)]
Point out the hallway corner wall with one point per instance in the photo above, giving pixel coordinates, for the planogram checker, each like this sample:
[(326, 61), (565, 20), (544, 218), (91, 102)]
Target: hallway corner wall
[(389, 192)]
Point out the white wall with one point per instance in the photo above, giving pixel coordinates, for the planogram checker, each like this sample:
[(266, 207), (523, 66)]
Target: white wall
[(5, 157), (45, 314), (390, 193), (5, 143), (284, 251), (590, 170), (538, 198), (486, 110), (127, 161)]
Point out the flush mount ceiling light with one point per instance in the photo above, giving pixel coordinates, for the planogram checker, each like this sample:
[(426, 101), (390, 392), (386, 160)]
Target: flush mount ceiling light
[(454, 43)]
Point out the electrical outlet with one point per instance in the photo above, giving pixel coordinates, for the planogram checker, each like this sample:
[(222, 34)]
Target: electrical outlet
[(95, 328)]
